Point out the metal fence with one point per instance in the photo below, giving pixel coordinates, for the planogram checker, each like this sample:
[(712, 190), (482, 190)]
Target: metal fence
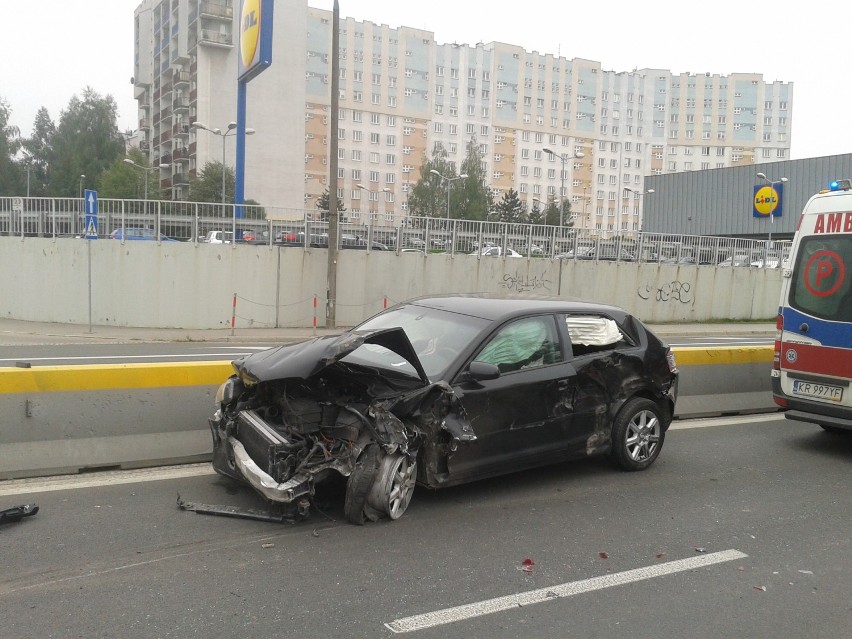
[(245, 224)]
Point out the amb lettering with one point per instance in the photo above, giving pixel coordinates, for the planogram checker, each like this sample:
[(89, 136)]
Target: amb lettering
[(249, 21), (834, 223)]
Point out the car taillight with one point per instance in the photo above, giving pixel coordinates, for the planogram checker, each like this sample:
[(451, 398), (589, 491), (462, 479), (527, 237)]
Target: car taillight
[(670, 359), (780, 401), (779, 329)]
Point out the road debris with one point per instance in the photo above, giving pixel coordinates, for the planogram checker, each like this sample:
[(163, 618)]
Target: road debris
[(16, 513), (527, 565)]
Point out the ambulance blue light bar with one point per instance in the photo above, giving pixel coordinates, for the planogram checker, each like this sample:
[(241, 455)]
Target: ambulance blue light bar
[(840, 185)]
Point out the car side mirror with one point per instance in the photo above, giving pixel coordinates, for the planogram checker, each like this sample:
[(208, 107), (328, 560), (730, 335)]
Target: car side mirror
[(483, 371)]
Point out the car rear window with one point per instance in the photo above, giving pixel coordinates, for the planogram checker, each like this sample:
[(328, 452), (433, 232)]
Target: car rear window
[(822, 277), (594, 333)]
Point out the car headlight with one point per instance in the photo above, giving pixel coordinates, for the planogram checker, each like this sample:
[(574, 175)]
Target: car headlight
[(229, 392)]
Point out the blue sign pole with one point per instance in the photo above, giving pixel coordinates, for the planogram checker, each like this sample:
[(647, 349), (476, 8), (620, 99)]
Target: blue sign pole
[(90, 200)]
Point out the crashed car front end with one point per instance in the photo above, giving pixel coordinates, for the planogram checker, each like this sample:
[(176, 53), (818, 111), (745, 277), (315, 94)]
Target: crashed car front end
[(294, 416)]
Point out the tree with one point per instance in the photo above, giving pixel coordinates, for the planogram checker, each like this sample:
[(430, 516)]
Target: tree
[(428, 196), (475, 198), (536, 215), (87, 141), (39, 150), (510, 208), (551, 213), (207, 185), (10, 144), (324, 205), (126, 182)]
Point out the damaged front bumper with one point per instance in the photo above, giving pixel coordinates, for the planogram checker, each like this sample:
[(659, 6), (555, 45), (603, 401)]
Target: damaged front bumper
[(296, 487)]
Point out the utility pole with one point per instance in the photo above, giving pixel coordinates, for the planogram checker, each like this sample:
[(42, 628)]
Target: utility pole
[(331, 269)]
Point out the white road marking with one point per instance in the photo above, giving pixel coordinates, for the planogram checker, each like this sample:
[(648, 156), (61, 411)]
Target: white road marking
[(104, 478), (509, 602)]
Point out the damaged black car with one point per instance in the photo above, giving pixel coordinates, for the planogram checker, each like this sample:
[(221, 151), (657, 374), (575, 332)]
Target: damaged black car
[(439, 391)]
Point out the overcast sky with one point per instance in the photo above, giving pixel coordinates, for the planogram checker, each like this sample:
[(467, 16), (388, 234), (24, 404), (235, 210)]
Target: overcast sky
[(52, 49)]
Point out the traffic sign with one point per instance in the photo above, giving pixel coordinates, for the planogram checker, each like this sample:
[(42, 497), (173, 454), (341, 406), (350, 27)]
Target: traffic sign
[(91, 227)]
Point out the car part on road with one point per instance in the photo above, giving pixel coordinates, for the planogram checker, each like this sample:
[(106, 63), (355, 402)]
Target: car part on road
[(16, 513)]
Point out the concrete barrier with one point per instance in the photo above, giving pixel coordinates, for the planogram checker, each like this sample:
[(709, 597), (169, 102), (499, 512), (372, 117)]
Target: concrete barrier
[(69, 419), (192, 286)]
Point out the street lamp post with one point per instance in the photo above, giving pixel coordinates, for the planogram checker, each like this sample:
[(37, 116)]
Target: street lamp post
[(146, 170), (230, 131), (564, 158), (639, 194), (364, 187), (82, 177), (449, 181), (772, 204)]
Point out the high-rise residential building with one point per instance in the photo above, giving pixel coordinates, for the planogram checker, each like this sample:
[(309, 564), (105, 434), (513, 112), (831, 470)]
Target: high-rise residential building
[(547, 126)]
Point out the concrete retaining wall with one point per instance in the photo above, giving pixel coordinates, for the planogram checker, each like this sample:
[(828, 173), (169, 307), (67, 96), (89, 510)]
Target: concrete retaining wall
[(185, 285), (65, 419)]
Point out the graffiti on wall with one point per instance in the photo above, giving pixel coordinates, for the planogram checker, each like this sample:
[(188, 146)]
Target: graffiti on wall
[(674, 291), (523, 283)]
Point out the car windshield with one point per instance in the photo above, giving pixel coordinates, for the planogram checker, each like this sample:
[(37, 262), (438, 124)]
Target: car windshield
[(436, 335)]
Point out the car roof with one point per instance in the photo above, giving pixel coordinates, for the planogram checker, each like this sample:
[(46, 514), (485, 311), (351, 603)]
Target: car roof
[(494, 306)]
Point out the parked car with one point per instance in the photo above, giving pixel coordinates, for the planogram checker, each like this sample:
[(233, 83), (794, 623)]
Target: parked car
[(739, 260), (440, 391), (219, 237), (498, 251), (606, 254), (139, 234)]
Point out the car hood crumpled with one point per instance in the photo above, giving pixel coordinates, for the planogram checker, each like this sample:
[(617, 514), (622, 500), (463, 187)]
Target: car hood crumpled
[(306, 359)]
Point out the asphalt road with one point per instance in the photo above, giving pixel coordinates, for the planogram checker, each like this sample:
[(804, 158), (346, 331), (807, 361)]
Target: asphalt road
[(766, 503)]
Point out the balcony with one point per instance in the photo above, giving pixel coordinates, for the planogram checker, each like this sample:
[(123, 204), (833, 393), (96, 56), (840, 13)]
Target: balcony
[(145, 123), (181, 104), (180, 179), (216, 10), (181, 78), (215, 38), (180, 154), (181, 130)]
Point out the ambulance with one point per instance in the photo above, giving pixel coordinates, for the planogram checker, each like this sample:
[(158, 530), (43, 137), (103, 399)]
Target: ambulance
[(812, 369)]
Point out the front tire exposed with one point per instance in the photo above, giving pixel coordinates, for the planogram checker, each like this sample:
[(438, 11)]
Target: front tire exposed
[(394, 485), (358, 486), (638, 432)]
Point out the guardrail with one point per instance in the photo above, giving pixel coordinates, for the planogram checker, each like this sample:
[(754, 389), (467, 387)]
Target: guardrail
[(73, 418), (193, 221)]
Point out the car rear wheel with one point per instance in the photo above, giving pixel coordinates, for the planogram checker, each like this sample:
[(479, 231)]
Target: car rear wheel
[(391, 492), (637, 434)]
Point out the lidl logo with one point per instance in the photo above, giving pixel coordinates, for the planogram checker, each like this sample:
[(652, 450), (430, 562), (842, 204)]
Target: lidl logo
[(249, 31), (767, 201)]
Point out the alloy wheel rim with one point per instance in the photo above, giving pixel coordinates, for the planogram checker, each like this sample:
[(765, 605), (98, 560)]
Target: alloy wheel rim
[(643, 436)]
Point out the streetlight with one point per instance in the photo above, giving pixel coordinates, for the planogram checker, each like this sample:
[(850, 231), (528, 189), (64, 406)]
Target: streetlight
[(449, 184), (564, 157), (364, 187), (773, 200), (147, 170), (231, 130), (82, 177), (637, 195)]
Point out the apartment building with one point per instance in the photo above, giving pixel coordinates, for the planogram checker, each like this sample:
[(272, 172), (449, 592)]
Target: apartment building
[(547, 126)]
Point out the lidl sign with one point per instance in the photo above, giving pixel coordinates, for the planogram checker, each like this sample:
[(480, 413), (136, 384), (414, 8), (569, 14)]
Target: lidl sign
[(255, 37), (767, 200)]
